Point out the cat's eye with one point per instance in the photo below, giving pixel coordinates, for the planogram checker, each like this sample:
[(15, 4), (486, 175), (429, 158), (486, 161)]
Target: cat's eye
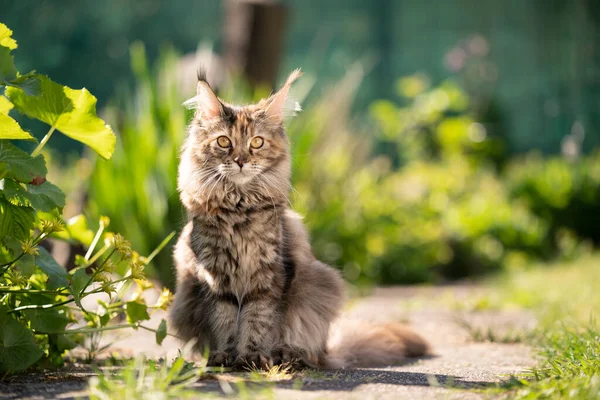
[(257, 142), (224, 141)]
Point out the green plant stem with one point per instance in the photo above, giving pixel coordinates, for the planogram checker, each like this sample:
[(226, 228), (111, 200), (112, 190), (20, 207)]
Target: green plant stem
[(102, 329), (40, 307), (89, 282), (35, 291), (159, 247), (46, 306), (95, 241), (40, 146)]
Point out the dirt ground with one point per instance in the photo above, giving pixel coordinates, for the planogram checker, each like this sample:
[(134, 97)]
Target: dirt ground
[(463, 357)]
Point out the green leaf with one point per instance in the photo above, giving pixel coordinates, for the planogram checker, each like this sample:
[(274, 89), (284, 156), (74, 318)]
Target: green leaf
[(77, 230), (48, 320), (8, 71), (5, 105), (10, 129), (73, 112), (18, 350), (15, 221), (26, 265), (161, 332), (78, 283), (15, 193), (57, 274), (64, 342), (21, 166), (46, 197), (136, 311), (6, 39), (29, 83)]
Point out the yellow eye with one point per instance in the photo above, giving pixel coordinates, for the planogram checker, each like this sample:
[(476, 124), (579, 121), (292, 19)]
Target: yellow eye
[(224, 141), (257, 142)]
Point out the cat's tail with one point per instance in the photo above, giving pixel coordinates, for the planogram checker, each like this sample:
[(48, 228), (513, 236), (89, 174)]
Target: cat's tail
[(364, 344)]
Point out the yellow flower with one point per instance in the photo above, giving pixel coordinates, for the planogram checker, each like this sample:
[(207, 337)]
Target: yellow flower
[(164, 299)]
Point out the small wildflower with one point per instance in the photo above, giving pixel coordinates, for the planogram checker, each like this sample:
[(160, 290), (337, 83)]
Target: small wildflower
[(144, 284), (50, 226), (137, 270), (109, 238), (104, 221), (15, 277), (164, 299), (29, 247), (122, 246), (109, 267)]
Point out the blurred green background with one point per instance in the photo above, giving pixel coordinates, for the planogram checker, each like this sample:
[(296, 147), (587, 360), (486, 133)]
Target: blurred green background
[(439, 140)]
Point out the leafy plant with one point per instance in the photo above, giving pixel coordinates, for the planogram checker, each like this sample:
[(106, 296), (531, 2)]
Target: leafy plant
[(43, 309), (143, 379), (564, 192)]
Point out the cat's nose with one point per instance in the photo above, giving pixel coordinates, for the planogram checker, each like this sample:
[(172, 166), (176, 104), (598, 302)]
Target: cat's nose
[(239, 161)]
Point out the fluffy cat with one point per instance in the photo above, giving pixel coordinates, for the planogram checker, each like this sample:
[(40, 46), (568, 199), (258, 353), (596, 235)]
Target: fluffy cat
[(248, 285)]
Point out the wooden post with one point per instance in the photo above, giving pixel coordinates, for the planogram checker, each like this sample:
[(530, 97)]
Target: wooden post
[(253, 39)]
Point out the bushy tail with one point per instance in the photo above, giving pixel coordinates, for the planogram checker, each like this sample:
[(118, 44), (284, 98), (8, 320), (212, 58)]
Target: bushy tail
[(364, 344)]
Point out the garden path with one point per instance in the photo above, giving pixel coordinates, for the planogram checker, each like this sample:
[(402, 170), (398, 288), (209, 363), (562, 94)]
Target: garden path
[(463, 357)]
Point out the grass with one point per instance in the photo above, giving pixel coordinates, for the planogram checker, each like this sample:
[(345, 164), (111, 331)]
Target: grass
[(143, 378), (480, 334), (566, 297)]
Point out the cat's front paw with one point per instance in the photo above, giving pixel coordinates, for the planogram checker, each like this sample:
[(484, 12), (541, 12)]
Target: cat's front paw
[(287, 356), (253, 360), (219, 359)]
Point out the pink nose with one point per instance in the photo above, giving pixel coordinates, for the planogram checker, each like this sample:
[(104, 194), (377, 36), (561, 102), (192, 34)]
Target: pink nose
[(239, 161)]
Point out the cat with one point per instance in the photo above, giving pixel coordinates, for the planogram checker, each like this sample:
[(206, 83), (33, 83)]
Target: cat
[(248, 285)]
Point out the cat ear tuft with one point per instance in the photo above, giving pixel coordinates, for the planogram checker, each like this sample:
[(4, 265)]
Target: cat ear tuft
[(206, 103), (279, 104)]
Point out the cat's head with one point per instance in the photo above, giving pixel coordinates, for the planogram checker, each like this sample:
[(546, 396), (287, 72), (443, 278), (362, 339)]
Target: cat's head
[(240, 148)]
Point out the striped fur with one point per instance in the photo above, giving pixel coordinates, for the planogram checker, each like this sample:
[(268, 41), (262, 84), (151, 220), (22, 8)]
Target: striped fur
[(248, 286)]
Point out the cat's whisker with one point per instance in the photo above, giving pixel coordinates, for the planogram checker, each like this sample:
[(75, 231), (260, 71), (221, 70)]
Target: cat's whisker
[(274, 185)]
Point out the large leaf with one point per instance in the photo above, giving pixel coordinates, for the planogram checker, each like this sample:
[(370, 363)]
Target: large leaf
[(15, 221), (21, 165), (48, 320), (73, 112), (8, 71), (46, 196), (57, 274), (6, 39), (5, 105), (10, 129), (29, 83), (43, 197), (18, 350), (15, 193), (26, 265)]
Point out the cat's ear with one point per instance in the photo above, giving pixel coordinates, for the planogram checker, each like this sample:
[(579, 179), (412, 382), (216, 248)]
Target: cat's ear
[(279, 105), (206, 103)]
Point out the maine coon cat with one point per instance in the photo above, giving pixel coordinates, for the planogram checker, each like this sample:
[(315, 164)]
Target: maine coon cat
[(248, 285)]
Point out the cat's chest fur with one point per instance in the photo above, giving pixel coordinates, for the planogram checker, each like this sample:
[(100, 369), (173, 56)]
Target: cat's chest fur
[(238, 252)]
